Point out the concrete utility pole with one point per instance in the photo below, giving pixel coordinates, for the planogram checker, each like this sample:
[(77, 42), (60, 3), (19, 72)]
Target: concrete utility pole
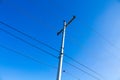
[(59, 74)]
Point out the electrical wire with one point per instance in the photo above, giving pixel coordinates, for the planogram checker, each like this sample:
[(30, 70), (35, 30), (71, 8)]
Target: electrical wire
[(27, 56), (33, 38), (83, 65), (35, 60), (106, 41), (82, 70), (32, 45), (47, 53), (100, 35), (50, 46), (47, 46), (88, 27)]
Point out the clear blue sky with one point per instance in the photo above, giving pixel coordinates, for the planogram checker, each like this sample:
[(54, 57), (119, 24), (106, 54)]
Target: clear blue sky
[(98, 48)]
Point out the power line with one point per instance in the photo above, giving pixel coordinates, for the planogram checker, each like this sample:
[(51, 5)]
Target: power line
[(29, 15), (47, 52), (100, 35), (29, 43), (27, 56), (83, 65), (80, 64), (33, 38), (82, 70), (35, 60)]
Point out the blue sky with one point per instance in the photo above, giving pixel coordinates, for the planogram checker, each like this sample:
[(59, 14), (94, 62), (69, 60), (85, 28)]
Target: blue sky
[(92, 38)]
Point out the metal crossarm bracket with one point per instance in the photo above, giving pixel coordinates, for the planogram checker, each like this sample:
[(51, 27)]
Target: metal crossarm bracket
[(67, 24)]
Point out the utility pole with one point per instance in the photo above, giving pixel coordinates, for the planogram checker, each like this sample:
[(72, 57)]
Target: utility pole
[(59, 74)]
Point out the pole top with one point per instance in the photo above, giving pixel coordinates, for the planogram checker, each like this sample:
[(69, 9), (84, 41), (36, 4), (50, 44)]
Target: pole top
[(67, 24)]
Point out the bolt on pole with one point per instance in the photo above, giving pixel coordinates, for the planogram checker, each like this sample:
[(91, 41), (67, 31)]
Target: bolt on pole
[(59, 74)]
